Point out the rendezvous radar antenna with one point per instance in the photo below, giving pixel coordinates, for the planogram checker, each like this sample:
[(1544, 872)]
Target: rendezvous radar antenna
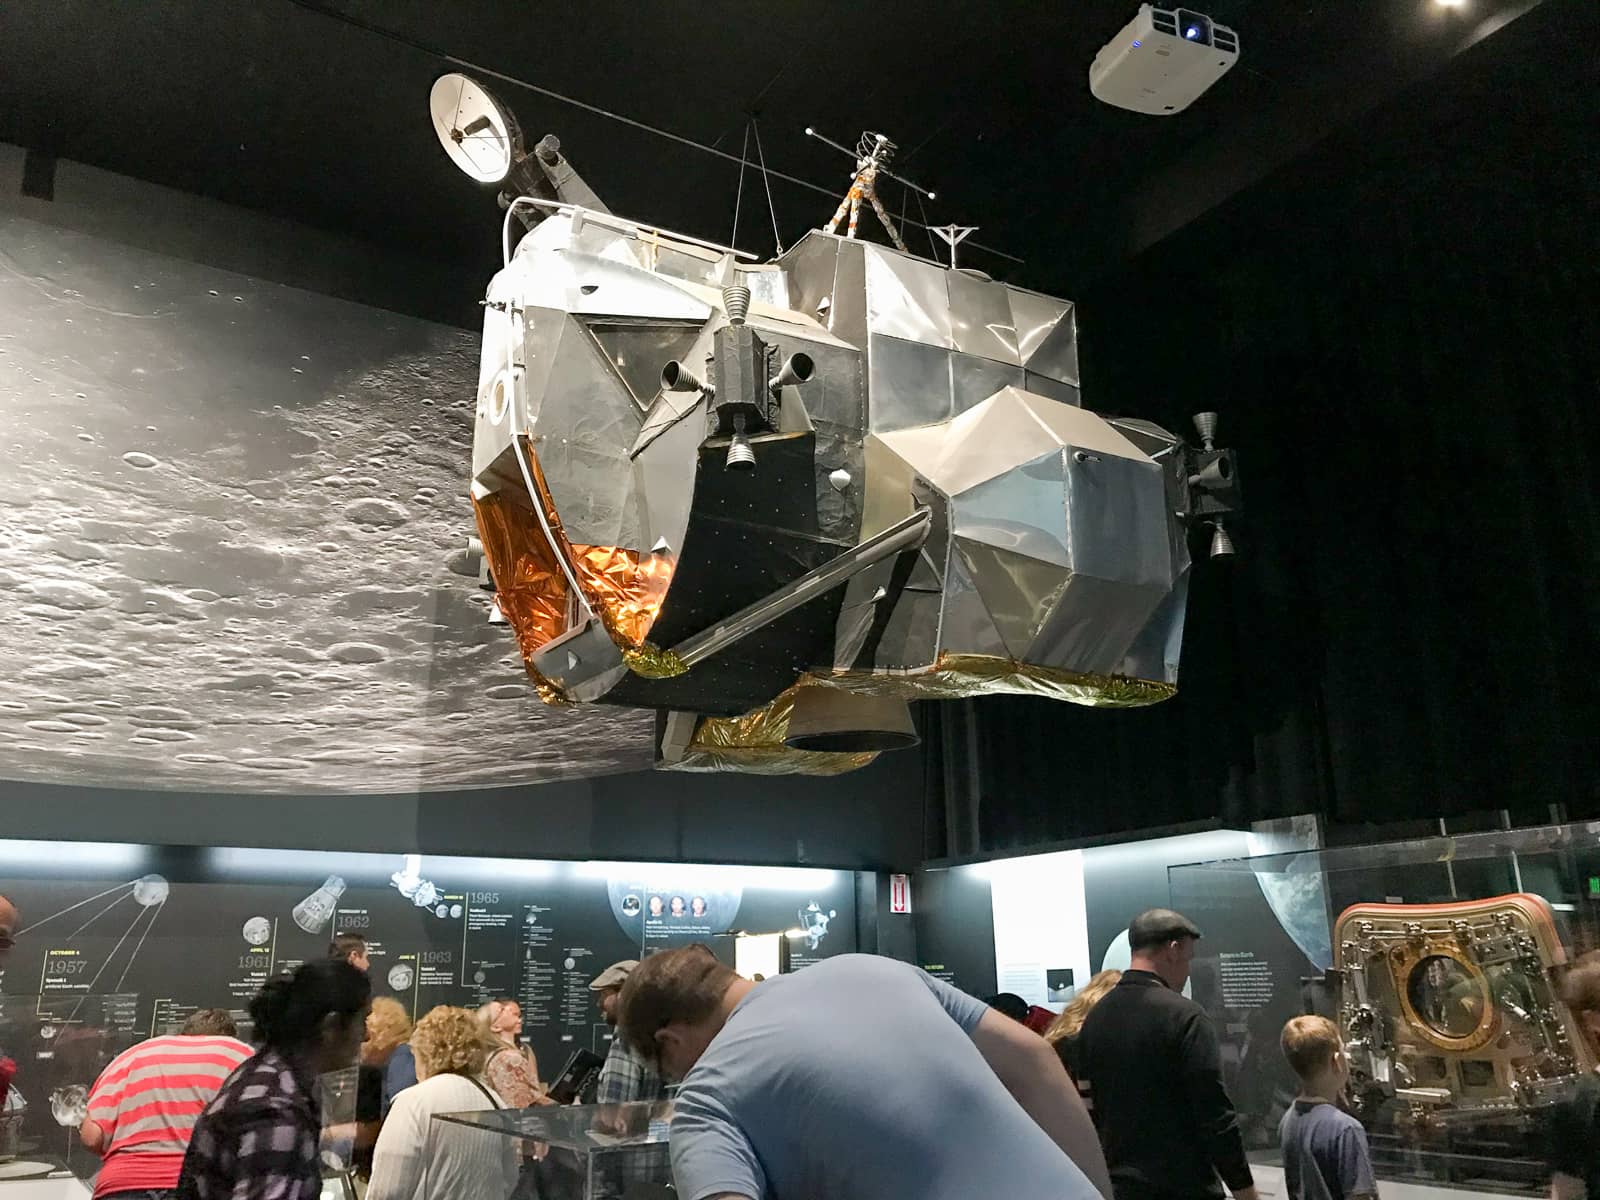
[(872, 154)]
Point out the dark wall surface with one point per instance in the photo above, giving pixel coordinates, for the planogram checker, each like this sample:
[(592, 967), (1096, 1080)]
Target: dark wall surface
[(865, 820), (1399, 331)]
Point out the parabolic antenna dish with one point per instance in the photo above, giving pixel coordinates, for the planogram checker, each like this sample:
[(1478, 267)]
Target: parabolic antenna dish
[(479, 136)]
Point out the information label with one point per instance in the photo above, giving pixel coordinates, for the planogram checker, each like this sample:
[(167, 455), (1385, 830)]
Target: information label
[(1246, 980)]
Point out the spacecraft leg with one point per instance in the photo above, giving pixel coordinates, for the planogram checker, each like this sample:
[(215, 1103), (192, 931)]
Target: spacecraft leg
[(888, 222), (838, 213)]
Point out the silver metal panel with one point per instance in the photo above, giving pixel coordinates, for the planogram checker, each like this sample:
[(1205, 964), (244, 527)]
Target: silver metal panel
[(1146, 435), (910, 384), (907, 299), (839, 510), (810, 265), (668, 410), (584, 662), (535, 355), (1034, 316), (769, 285), (602, 272), (927, 575), (966, 626), (1165, 449), (976, 445), (1041, 385), (1018, 591), (850, 633), (862, 595), (980, 318), (686, 265), (1024, 511), (586, 426), (638, 350), (847, 316), (1117, 519), (1057, 355), (911, 637), (664, 474), (973, 380), (1156, 651), (836, 397), (1093, 624)]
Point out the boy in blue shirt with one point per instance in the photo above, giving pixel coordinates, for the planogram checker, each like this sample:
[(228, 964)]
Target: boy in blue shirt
[(1324, 1148)]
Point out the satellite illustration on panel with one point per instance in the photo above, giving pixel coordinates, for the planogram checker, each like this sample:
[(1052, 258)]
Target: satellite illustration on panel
[(776, 501)]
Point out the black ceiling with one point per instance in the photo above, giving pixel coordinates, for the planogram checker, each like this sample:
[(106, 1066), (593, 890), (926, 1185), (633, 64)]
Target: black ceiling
[(317, 109)]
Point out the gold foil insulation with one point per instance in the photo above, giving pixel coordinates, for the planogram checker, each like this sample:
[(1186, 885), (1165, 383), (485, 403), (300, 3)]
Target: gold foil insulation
[(954, 676), (529, 586), (650, 661), (624, 588), (754, 745)]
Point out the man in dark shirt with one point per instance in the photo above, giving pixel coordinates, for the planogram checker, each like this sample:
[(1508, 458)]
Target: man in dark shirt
[(1151, 1058)]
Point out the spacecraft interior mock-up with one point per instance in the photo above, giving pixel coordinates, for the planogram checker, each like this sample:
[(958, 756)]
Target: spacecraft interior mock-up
[(776, 501)]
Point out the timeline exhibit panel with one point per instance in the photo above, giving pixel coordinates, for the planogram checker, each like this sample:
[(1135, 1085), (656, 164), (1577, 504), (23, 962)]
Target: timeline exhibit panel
[(117, 943)]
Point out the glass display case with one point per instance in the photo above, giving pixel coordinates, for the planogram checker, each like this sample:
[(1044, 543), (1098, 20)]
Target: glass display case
[(59, 1044), (1441, 961), (572, 1152)]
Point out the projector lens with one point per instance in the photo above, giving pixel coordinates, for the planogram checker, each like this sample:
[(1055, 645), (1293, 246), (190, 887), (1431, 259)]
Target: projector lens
[(1196, 27)]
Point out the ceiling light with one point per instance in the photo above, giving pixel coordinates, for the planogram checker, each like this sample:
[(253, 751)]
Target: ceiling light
[(1451, 3)]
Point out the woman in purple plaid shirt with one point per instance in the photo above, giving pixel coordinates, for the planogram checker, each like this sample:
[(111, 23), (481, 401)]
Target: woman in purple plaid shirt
[(258, 1139)]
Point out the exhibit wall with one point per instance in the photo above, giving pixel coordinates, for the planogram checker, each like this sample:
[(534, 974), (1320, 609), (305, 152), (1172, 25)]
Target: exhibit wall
[(117, 942), (1041, 925)]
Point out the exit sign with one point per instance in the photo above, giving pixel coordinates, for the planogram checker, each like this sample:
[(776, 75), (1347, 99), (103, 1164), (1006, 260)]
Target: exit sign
[(899, 893)]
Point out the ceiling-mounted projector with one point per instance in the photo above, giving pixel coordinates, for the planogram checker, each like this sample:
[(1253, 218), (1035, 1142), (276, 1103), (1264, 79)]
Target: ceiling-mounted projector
[(1162, 61)]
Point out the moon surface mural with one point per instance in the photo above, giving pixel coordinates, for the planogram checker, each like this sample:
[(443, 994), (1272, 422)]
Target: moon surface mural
[(232, 542)]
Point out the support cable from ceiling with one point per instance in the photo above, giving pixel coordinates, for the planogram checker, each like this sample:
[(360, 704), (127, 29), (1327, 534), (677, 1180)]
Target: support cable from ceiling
[(738, 196), (767, 182), (333, 14)]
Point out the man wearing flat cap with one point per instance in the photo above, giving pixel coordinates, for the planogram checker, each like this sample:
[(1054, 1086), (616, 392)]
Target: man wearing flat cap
[(627, 1075), (1153, 1072)]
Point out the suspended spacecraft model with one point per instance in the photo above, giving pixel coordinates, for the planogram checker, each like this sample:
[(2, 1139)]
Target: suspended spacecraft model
[(775, 501)]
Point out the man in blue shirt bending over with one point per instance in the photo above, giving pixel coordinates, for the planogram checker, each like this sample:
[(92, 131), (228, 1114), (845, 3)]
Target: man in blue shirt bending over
[(855, 1079)]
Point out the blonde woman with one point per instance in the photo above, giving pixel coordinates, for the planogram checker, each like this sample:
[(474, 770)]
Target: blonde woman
[(1063, 1031), (418, 1158), (387, 1048), (512, 1067)]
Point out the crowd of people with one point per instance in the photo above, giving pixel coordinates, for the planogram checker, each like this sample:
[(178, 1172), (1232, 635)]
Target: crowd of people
[(812, 1084)]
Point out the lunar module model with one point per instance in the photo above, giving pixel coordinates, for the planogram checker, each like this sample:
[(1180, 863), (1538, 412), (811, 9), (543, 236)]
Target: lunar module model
[(1452, 1011), (776, 501)]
